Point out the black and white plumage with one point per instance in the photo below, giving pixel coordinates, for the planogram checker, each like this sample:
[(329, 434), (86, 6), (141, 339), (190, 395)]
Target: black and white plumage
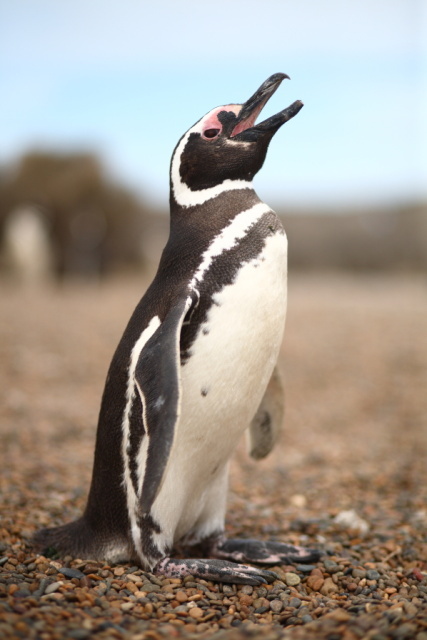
[(195, 367)]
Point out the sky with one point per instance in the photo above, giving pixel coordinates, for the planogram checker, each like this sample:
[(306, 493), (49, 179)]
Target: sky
[(126, 78)]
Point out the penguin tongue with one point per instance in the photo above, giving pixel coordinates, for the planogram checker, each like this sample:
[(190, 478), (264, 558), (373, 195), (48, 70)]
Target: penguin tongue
[(248, 122), (253, 107)]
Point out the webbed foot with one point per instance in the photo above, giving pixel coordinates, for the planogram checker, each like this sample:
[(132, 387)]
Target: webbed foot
[(261, 552), (216, 570)]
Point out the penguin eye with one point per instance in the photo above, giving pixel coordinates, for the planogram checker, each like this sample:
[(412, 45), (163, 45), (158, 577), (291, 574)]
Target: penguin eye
[(211, 133)]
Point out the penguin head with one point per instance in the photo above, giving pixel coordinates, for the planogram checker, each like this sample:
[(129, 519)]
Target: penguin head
[(225, 148)]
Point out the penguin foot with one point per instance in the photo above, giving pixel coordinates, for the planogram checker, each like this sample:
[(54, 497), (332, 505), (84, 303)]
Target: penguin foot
[(216, 570), (261, 552)]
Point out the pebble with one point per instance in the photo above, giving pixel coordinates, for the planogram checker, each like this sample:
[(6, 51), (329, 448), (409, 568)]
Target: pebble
[(295, 603), (292, 579), (315, 582), (359, 573), (276, 606), (305, 568), (71, 573), (247, 589), (331, 566), (54, 586), (306, 618), (329, 587), (372, 574)]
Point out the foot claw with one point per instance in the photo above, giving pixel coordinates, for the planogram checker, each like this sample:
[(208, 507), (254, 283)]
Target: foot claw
[(216, 570)]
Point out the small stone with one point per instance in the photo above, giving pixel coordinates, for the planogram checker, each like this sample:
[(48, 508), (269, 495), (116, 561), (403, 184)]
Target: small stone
[(292, 579), (127, 606), (298, 500), (148, 587), (305, 568), (406, 630), (261, 610), (181, 596), (359, 573), (71, 573), (351, 520), (331, 566), (276, 606), (228, 589), (260, 603), (417, 574), (315, 582), (372, 574), (53, 587), (196, 613), (306, 618), (246, 589), (119, 571), (182, 608), (328, 587), (295, 603), (410, 609), (133, 578), (339, 615), (22, 593)]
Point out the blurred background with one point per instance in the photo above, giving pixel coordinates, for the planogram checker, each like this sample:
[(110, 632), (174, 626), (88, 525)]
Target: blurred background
[(95, 97)]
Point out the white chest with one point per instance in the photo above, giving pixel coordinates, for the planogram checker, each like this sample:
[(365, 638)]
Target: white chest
[(237, 347)]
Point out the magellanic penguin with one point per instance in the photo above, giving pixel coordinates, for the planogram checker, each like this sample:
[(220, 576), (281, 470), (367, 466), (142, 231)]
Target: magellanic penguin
[(195, 367)]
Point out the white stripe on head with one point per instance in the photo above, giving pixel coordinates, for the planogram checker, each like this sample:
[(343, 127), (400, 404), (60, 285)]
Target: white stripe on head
[(185, 196), (228, 237)]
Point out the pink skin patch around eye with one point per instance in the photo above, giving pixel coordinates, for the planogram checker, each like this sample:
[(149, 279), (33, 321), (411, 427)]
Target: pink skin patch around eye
[(212, 121)]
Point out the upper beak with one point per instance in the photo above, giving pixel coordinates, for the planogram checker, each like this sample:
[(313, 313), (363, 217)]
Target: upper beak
[(245, 130)]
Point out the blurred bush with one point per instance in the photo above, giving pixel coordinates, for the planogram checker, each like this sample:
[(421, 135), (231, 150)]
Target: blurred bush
[(91, 226), (393, 238)]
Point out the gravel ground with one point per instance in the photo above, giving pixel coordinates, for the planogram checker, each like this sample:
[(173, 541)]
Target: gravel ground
[(349, 475)]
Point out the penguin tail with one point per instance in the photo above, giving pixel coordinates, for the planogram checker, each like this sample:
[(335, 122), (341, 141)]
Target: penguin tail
[(69, 539), (80, 540)]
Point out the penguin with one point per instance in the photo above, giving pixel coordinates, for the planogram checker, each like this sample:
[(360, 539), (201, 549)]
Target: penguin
[(195, 368)]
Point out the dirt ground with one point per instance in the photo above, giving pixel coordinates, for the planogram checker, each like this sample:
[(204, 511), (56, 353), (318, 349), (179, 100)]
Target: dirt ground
[(354, 360)]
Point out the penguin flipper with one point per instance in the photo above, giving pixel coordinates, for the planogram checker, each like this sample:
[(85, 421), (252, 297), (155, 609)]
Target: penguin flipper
[(157, 376), (265, 426)]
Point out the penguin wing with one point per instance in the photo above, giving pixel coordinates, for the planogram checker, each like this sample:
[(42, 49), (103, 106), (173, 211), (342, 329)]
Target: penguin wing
[(265, 426), (157, 376)]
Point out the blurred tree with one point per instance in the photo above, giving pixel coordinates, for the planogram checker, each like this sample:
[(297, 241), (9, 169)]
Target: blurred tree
[(94, 226)]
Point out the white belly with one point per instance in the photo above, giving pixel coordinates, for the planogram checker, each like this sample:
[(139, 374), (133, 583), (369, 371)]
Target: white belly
[(223, 383)]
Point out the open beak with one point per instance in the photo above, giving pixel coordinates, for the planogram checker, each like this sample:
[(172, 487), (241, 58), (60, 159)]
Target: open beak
[(245, 130)]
